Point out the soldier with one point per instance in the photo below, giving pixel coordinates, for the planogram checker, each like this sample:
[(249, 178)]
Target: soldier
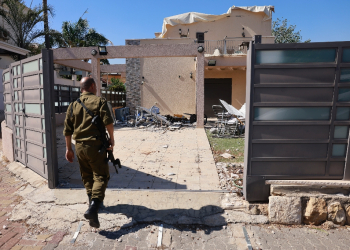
[(93, 165)]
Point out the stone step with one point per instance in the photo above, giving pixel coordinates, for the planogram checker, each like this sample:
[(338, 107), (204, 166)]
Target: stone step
[(309, 187)]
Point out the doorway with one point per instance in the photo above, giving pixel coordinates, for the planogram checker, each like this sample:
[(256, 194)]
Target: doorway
[(215, 89)]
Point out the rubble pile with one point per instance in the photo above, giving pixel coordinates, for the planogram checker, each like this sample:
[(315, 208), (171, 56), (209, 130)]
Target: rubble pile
[(155, 122), (230, 176)]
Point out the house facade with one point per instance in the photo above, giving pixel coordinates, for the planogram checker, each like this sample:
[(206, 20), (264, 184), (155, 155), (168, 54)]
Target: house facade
[(169, 83)]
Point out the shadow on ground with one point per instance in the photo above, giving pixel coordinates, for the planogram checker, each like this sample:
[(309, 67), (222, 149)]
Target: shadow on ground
[(179, 218)]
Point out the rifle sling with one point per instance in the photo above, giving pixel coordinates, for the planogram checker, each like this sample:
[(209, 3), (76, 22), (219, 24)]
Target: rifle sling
[(87, 110)]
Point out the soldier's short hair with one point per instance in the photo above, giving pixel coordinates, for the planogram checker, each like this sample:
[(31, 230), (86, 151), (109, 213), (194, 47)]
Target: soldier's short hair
[(86, 83)]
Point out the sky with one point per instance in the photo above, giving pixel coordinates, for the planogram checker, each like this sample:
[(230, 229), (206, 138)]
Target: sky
[(318, 20)]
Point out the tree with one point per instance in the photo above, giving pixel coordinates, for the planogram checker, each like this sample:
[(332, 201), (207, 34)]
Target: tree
[(78, 34), (21, 23), (285, 33), (117, 85)]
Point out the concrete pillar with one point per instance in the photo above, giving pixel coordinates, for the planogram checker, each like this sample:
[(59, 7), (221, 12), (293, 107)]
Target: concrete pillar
[(96, 74), (200, 90)]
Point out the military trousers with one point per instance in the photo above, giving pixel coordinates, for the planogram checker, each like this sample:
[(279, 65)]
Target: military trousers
[(94, 169)]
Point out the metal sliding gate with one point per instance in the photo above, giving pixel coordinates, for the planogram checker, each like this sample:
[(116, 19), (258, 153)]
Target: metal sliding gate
[(29, 112), (298, 114)]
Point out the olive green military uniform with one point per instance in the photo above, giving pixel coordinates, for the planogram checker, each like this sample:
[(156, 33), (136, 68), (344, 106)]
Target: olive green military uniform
[(93, 166)]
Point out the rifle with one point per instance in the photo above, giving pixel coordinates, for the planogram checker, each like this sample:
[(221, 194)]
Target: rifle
[(97, 121)]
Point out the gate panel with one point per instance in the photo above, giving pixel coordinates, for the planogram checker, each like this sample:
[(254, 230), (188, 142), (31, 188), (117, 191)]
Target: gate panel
[(25, 112), (31, 107), (298, 114)]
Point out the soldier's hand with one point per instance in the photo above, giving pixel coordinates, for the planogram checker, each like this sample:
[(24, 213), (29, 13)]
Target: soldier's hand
[(111, 143), (69, 155)]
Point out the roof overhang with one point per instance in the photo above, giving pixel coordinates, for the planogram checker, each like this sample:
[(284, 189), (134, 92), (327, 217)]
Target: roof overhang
[(12, 48)]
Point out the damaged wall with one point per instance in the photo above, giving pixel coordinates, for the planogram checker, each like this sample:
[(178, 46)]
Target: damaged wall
[(162, 84), (167, 82)]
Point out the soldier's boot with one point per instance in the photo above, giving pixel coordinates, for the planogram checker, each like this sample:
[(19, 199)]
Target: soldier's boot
[(92, 213)]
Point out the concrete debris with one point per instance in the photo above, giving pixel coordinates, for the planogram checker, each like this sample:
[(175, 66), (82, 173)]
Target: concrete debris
[(170, 174), (336, 213), (151, 120), (228, 178), (227, 156), (236, 176), (214, 131), (328, 225), (165, 146), (4, 227)]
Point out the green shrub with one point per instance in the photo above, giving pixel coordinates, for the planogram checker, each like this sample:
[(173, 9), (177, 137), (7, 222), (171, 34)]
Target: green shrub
[(117, 85)]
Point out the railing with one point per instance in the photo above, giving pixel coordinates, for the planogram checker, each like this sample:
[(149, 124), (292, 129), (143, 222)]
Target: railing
[(226, 46), (64, 95)]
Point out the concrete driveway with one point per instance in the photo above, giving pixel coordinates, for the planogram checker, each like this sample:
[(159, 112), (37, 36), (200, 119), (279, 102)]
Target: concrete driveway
[(157, 159)]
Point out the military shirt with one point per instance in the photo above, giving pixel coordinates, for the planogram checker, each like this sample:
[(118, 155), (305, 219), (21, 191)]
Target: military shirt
[(78, 121)]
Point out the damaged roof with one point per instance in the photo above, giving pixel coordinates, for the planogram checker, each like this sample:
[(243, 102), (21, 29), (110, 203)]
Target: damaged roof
[(193, 17)]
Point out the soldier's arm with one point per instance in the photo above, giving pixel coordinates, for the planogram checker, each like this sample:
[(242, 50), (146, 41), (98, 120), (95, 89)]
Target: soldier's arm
[(105, 114), (107, 119), (110, 129), (68, 122), (69, 150)]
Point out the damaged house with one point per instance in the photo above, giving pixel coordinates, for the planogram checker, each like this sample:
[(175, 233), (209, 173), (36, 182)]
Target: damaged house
[(169, 82)]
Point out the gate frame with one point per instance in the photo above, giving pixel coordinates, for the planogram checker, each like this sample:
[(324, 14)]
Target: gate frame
[(50, 118), (73, 57)]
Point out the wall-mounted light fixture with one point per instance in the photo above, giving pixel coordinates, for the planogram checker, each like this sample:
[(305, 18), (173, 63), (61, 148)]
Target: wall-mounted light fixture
[(143, 80), (200, 49), (94, 52), (243, 34), (102, 50), (191, 74), (211, 62)]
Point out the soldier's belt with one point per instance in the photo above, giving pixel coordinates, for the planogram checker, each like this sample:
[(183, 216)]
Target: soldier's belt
[(90, 142)]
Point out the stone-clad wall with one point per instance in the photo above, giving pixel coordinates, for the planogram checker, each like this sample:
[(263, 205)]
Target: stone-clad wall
[(133, 79)]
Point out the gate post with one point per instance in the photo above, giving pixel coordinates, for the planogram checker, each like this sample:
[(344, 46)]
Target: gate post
[(200, 90), (50, 118), (96, 74)]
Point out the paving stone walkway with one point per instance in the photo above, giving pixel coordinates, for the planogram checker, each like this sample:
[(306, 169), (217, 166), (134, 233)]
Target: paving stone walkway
[(166, 160), (16, 235), (231, 237), (21, 235)]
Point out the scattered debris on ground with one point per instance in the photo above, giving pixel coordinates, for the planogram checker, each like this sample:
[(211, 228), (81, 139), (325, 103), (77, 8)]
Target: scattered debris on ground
[(230, 176), (151, 120)]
